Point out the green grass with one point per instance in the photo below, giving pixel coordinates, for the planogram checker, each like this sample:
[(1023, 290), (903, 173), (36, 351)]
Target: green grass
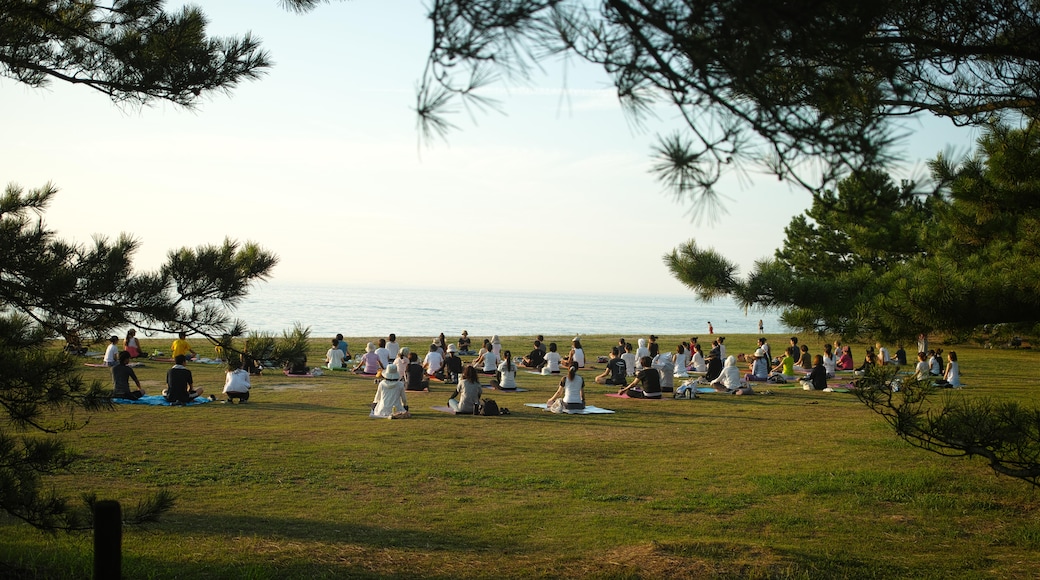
[(300, 483)]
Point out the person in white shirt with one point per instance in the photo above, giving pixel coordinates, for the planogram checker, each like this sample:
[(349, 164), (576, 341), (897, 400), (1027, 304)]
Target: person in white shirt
[(882, 354), (487, 363), (552, 360), (433, 362), (383, 353), (112, 352), (577, 355), (392, 348), (630, 360), (236, 382), (682, 359), (921, 371), (334, 356), (952, 376), (506, 374)]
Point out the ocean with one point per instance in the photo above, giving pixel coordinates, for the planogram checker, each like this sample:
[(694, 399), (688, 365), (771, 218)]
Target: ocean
[(371, 311)]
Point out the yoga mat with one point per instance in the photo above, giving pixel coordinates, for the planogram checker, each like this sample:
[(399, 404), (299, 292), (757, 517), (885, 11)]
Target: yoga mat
[(625, 396), (95, 365), (308, 375), (158, 400), (445, 409), (500, 390), (588, 410)]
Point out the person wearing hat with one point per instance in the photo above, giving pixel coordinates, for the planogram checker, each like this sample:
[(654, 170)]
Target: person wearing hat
[(112, 352), (759, 367), (452, 365), (464, 342), (369, 363), (390, 397)]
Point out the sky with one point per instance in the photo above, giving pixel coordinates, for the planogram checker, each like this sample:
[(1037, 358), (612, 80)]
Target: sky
[(320, 162)]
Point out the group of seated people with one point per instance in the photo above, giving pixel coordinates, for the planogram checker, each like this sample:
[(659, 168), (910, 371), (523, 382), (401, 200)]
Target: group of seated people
[(762, 367)]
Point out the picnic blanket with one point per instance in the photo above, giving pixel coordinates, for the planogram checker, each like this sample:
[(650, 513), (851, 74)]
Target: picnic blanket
[(158, 400), (588, 410)]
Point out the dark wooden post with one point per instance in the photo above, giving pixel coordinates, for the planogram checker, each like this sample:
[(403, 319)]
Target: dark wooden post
[(108, 540)]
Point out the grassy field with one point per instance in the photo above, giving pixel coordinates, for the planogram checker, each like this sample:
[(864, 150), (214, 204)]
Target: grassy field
[(300, 483)]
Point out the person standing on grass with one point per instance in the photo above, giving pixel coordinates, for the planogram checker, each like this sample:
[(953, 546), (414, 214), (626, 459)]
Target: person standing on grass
[(180, 387), (237, 384), (648, 381), (122, 374)]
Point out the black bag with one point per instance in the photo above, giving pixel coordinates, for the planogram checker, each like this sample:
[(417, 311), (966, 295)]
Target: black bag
[(489, 408)]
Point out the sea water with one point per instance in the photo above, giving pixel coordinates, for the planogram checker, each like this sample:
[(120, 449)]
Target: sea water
[(378, 311)]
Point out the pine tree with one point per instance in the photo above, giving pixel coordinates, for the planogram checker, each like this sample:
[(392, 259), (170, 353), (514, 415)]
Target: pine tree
[(136, 53)]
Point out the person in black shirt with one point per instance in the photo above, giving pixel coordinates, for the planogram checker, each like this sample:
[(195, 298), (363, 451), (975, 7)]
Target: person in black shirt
[(616, 369), (180, 386), (649, 381), (536, 358)]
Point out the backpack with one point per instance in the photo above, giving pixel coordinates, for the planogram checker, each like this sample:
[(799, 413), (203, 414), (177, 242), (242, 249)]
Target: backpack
[(488, 408)]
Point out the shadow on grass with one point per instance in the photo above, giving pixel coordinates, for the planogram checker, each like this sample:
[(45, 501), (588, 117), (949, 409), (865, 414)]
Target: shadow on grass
[(372, 535)]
